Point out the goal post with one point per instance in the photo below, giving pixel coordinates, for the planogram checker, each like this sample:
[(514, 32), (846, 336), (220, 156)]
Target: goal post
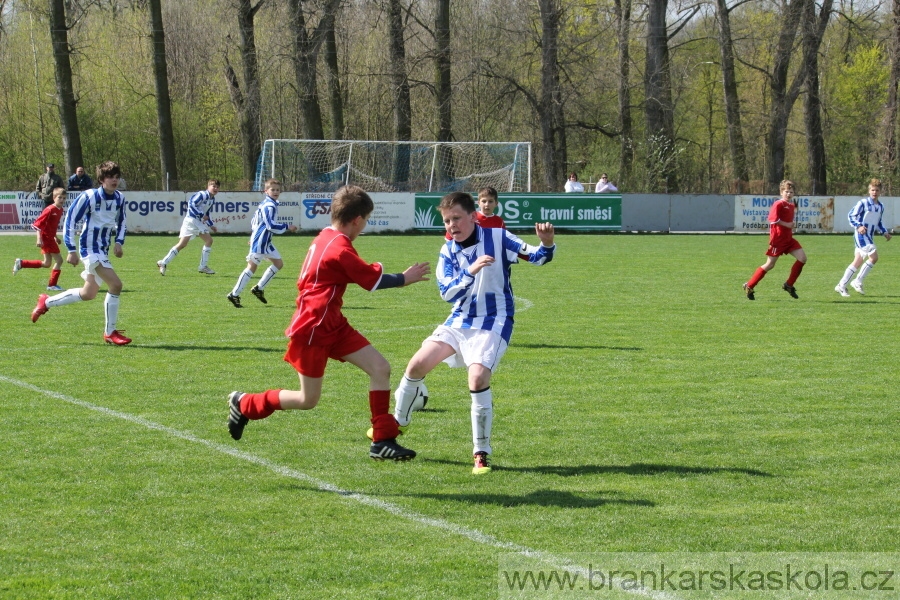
[(325, 165)]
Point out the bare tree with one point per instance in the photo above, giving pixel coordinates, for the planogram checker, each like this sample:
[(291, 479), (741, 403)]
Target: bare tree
[(248, 103), (550, 104), (813, 31), (891, 111), (168, 164), (400, 89), (782, 98), (658, 107), (333, 77), (626, 127), (306, 46), (442, 87), (732, 101), (65, 91)]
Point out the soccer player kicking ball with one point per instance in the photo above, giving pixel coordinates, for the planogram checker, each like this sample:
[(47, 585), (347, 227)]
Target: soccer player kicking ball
[(103, 212), (781, 241), (196, 223), (319, 331), (473, 273)]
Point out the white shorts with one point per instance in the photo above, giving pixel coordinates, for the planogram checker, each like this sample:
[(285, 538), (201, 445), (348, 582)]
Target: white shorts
[(192, 227), (866, 250), (91, 262), (256, 257), (472, 346)]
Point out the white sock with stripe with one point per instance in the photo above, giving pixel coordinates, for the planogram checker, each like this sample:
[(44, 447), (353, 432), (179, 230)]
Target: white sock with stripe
[(267, 277), (242, 282), (482, 420), (63, 298), (111, 304)]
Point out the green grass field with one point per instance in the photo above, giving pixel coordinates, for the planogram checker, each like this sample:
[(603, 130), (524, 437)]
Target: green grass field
[(644, 405)]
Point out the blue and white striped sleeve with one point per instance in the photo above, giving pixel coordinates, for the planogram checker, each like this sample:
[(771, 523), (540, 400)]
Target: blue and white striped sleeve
[(120, 220), (537, 255), (454, 282), (856, 213), (75, 215), (269, 220)]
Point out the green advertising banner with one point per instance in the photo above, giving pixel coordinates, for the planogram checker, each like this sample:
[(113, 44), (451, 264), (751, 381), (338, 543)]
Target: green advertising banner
[(588, 212)]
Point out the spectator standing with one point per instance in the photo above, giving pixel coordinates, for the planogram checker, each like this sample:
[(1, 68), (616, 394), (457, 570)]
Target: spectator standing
[(604, 186), (80, 181), (573, 185), (46, 183)]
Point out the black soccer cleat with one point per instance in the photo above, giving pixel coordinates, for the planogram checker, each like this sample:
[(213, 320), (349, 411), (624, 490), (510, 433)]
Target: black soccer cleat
[(390, 450), (236, 419), (259, 294), (790, 290), (236, 300), (749, 291)]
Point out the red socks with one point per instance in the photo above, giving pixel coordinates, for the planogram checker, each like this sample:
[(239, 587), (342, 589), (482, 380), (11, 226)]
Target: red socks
[(54, 277), (384, 426), (795, 272), (32, 264), (260, 406), (757, 277)]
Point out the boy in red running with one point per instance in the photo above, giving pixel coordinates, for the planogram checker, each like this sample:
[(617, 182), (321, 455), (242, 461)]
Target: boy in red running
[(46, 227), (319, 331), (781, 241)]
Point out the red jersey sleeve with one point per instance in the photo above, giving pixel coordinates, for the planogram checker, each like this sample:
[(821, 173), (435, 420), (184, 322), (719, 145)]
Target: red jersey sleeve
[(48, 221), (358, 271)]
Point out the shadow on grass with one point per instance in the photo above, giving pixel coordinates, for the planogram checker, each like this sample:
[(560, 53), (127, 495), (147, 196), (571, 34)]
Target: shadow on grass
[(205, 348), (539, 498), (638, 469), (576, 347)]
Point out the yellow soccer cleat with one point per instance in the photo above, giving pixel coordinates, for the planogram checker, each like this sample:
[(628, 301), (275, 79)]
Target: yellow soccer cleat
[(482, 465)]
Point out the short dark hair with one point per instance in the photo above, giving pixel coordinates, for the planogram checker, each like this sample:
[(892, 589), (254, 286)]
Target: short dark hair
[(463, 199), (108, 168), (349, 202), (487, 191), (215, 181)]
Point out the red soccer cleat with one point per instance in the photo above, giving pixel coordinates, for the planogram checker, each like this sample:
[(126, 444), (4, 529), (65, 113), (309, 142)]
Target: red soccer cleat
[(116, 338), (40, 309)]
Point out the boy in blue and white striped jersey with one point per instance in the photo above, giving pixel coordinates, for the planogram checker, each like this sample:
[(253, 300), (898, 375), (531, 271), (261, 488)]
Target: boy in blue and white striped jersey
[(264, 224), (102, 211), (865, 217), (196, 223), (473, 273)]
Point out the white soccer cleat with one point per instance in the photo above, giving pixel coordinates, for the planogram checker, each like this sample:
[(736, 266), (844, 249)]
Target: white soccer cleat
[(162, 267), (17, 266), (842, 291), (856, 285), (206, 270)]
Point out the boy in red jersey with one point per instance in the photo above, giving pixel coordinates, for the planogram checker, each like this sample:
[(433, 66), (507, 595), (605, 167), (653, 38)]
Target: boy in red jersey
[(781, 241), (46, 227), (319, 331), (487, 204)]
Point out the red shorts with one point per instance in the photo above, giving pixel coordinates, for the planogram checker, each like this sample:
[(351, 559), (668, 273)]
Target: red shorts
[(310, 360), (785, 248), (49, 246)]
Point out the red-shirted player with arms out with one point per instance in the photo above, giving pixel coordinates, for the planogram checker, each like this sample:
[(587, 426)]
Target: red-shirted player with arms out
[(319, 331), (781, 241)]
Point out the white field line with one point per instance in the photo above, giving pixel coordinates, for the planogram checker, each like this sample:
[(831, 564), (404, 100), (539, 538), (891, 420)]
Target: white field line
[(371, 501)]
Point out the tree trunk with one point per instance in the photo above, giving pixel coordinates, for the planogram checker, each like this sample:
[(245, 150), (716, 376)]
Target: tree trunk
[(732, 100), (443, 91), (626, 127), (553, 131), (658, 106), (169, 174), (332, 70), (248, 105), (306, 48), (68, 115), (813, 32), (400, 89), (781, 100), (891, 110)]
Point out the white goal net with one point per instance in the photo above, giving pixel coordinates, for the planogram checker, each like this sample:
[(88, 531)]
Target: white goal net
[(325, 165)]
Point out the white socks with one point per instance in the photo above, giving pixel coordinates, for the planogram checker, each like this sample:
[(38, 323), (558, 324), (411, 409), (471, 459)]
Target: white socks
[(482, 420), (267, 277), (848, 274), (63, 298), (112, 312), (172, 254), (204, 255), (403, 399), (242, 282), (864, 270)]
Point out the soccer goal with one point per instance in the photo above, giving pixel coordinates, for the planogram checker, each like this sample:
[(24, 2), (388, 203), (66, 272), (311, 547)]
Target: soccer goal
[(325, 165)]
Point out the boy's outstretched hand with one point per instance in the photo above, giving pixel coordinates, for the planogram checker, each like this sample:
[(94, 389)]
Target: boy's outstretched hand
[(545, 232), (415, 273)]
